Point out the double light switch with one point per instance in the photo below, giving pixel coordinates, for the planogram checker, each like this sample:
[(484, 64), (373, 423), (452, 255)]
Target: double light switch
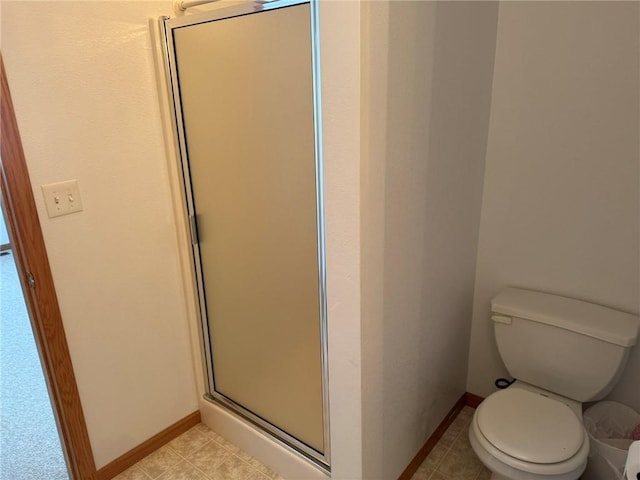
[(62, 198)]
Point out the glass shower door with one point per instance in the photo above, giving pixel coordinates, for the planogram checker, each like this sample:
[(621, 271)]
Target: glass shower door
[(244, 88)]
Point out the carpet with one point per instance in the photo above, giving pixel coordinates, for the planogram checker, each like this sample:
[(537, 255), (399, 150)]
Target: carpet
[(29, 443)]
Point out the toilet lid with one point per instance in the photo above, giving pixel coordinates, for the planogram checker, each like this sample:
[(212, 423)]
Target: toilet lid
[(529, 426)]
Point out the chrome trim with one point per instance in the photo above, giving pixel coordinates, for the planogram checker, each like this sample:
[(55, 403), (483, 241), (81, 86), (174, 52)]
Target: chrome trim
[(178, 132), (320, 460), (322, 268)]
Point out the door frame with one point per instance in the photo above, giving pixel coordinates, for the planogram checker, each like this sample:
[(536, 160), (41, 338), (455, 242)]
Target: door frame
[(39, 292)]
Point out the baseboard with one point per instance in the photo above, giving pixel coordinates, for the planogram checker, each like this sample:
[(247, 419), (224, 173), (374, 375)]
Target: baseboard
[(132, 457), (472, 400), (432, 440), (467, 399)]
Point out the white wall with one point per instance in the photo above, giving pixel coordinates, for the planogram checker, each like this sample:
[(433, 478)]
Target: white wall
[(341, 83), (83, 86), (427, 70), (560, 211)]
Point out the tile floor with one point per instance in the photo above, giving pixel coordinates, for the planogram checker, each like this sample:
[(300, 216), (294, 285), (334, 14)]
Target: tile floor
[(201, 454), (452, 458)]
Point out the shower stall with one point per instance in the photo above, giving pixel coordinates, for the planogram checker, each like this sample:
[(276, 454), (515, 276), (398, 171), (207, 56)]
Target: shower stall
[(245, 89)]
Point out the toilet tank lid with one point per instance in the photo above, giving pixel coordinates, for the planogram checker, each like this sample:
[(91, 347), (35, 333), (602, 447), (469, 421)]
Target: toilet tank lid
[(596, 321)]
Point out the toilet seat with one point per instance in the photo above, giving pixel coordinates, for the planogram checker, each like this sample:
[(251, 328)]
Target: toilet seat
[(568, 469), (530, 427)]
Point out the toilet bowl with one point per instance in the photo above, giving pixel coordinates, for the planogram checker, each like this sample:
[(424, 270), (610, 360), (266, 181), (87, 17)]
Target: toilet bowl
[(525, 433), (564, 352)]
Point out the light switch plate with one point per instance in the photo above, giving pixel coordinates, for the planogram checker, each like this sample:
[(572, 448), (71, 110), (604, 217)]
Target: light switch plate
[(62, 198)]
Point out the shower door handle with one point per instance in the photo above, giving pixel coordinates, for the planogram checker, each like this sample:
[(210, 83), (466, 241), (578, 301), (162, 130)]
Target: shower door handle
[(193, 229)]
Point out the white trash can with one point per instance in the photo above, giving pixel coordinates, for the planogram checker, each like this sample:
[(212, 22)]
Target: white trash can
[(633, 462), (609, 425)]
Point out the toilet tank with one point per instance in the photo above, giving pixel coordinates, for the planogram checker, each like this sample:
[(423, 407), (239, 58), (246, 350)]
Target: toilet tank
[(566, 346)]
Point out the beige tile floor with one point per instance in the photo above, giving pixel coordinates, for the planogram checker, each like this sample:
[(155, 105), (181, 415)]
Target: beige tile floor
[(201, 454), (452, 458)]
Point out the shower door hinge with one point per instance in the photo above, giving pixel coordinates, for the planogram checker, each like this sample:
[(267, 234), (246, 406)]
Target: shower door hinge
[(193, 227), (31, 281)]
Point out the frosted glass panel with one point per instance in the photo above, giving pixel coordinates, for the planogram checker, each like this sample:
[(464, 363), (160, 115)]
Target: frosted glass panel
[(247, 102)]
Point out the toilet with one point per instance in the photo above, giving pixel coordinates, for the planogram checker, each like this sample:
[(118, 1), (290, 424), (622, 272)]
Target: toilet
[(562, 352)]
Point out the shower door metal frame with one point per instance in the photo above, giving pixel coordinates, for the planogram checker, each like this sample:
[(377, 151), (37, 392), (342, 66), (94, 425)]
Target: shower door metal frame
[(167, 24)]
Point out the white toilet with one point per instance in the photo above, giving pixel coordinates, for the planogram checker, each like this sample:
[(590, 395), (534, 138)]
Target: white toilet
[(563, 352)]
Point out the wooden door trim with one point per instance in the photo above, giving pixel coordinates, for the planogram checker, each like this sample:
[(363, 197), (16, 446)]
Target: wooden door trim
[(42, 303)]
